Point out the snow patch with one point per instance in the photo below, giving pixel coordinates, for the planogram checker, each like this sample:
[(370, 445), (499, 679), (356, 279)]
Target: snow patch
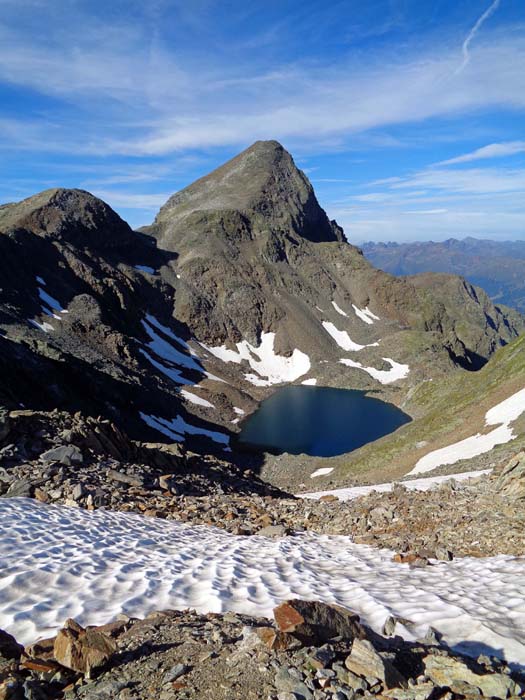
[(365, 314), (145, 268), (168, 352), (339, 310), (193, 398), (324, 471), (50, 306), (348, 494), (46, 327), (343, 339), (177, 428), (172, 373), (59, 562), (503, 413), (310, 382), (239, 411), (385, 376), (264, 361)]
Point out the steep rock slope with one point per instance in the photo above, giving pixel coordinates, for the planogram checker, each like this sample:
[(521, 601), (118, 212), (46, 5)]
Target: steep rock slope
[(257, 254), (75, 327)]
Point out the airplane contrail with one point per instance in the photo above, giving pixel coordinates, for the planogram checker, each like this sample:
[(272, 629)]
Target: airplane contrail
[(470, 36)]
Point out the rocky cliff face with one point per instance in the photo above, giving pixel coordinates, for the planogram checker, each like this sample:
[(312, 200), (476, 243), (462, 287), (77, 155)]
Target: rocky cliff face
[(257, 254), (242, 282)]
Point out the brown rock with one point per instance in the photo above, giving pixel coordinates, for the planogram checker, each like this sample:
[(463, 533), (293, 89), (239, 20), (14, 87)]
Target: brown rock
[(42, 650), (312, 621), (82, 650), (274, 639), (39, 665), (329, 498)]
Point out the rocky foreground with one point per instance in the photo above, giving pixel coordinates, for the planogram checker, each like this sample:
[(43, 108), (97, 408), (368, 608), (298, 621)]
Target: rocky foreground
[(88, 463), (310, 651)]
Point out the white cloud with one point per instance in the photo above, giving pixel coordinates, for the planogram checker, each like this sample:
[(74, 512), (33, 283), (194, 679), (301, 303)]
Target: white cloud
[(127, 200), (472, 33), (471, 180), (141, 96), (493, 150), (438, 203)]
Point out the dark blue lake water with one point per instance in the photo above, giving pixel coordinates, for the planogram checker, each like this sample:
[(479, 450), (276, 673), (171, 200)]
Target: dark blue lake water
[(318, 421)]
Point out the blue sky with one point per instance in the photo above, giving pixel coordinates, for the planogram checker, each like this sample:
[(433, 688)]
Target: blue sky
[(408, 116)]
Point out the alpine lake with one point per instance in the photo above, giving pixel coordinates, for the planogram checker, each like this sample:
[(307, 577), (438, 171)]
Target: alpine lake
[(318, 421)]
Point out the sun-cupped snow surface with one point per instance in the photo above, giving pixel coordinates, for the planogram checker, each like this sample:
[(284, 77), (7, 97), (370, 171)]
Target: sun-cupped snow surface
[(61, 562), (348, 494), (270, 368), (343, 339), (339, 309), (365, 314), (176, 428), (193, 398), (502, 415), (385, 376)]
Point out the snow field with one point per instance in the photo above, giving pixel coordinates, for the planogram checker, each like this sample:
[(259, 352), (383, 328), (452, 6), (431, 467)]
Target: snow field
[(61, 562), (269, 367), (365, 315), (347, 494), (385, 376), (177, 428), (343, 339), (503, 413)]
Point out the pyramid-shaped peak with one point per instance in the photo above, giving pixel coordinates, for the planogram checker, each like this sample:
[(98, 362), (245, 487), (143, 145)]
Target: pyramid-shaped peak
[(261, 181)]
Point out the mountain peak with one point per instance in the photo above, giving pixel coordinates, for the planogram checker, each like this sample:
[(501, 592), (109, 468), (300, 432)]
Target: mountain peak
[(262, 183), (73, 215)]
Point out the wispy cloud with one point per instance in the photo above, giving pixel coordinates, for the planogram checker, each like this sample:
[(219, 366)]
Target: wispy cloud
[(471, 180), (493, 150), (127, 200), (472, 33), (135, 95), (437, 203)]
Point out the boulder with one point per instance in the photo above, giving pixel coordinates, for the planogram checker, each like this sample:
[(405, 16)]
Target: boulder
[(66, 454), (315, 622), (82, 650), (511, 481), (9, 647), (365, 661), (450, 672)]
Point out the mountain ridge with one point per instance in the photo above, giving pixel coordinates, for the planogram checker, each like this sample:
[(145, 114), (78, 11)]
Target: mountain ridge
[(496, 266)]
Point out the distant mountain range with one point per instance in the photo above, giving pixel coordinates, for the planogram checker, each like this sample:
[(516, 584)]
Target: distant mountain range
[(496, 266)]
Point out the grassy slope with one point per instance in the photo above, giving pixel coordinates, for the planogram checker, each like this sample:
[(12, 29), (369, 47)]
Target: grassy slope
[(449, 410)]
